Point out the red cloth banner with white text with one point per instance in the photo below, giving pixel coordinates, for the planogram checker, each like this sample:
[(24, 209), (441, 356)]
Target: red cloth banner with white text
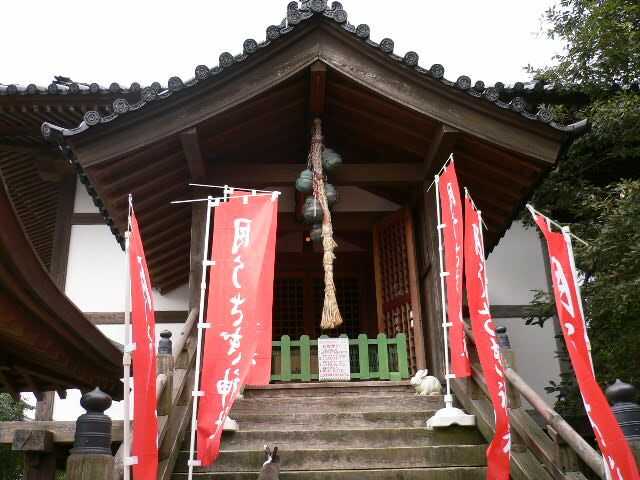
[(260, 373), (499, 452), (241, 235), (145, 419), (451, 208), (618, 459)]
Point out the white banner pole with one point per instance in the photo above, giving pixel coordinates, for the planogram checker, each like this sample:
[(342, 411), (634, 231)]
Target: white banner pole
[(448, 398), (449, 415), (126, 356), (201, 326), (566, 233)]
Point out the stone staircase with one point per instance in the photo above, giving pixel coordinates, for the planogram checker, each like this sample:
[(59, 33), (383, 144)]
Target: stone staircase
[(346, 431)]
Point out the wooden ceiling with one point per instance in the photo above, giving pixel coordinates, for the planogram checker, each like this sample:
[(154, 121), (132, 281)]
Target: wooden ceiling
[(386, 148), (32, 169)]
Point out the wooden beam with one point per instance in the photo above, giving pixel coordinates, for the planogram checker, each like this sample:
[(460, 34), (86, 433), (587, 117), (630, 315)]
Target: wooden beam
[(441, 147), (63, 432), (190, 141), (342, 222), (62, 234), (87, 219), (117, 318), (257, 174), (317, 88), (9, 386)]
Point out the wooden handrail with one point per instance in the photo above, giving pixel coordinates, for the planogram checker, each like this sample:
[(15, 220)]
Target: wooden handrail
[(161, 383), (552, 418), (186, 330)]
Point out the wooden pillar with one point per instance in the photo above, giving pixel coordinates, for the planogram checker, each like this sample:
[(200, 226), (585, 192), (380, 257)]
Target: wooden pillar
[(39, 454), (44, 407), (431, 285), (198, 212), (91, 457)]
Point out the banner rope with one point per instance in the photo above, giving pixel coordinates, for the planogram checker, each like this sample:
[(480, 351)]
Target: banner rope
[(331, 317), (533, 212)]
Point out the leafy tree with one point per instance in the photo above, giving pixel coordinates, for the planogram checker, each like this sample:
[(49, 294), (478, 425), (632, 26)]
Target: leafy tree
[(595, 188), (10, 463)]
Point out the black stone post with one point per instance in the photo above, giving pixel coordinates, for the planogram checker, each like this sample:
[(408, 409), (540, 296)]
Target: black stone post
[(622, 398), (165, 365), (91, 457), (165, 345)]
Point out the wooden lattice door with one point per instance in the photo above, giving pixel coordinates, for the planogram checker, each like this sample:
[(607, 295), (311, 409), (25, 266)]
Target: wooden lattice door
[(398, 302)]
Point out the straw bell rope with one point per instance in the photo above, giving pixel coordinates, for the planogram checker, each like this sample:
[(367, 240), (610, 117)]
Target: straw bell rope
[(331, 317)]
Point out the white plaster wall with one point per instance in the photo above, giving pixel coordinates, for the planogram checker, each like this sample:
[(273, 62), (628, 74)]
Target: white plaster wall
[(515, 268), (95, 273), (83, 202)]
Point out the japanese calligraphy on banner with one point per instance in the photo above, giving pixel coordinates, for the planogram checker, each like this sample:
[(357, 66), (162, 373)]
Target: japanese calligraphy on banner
[(241, 235), (260, 373), (145, 419), (618, 459), (498, 453), (451, 208)]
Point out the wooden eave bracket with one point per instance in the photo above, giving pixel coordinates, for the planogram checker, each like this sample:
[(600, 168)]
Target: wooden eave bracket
[(317, 89), (190, 141), (441, 146)]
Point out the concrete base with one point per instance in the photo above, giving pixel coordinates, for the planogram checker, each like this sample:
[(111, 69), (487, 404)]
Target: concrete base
[(448, 416)]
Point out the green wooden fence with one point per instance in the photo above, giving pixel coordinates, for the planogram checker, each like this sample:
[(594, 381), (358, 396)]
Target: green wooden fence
[(379, 358)]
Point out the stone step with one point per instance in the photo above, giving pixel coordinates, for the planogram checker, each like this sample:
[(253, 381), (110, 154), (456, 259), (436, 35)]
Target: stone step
[(348, 459), (326, 389), (351, 438), (339, 403), (322, 421), (450, 473)]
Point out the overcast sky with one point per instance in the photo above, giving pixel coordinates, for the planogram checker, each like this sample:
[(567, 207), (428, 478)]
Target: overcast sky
[(143, 41)]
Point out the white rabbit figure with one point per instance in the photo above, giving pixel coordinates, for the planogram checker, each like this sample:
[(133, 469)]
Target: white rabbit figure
[(426, 384), (271, 468)]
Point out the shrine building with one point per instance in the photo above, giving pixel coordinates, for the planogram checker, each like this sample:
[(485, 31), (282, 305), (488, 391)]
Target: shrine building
[(71, 152)]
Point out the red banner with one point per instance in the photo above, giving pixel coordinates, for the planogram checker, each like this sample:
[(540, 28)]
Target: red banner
[(451, 209), (618, 459), (498, 453), (260, 373), (145, 420), (241, 234)]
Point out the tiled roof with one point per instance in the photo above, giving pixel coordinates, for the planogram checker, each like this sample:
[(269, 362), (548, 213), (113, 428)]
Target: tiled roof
[(513, 97)]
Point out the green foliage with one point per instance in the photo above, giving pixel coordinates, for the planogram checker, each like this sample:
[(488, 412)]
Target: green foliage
[(602, 42), (10, 463), (595, 188)]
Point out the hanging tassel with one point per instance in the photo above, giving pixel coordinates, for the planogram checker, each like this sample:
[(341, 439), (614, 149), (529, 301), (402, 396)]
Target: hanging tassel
[(331, 317)]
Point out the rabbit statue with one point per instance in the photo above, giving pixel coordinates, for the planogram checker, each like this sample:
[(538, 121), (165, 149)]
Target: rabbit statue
[(271, 468), (426, 384)]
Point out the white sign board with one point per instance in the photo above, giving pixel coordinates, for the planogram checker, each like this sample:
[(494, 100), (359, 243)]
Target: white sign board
[(333, 359)]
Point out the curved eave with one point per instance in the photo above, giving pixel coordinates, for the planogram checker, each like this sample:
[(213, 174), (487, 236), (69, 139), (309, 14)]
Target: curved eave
[(480, 101), (297, 17), (47, 342)]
